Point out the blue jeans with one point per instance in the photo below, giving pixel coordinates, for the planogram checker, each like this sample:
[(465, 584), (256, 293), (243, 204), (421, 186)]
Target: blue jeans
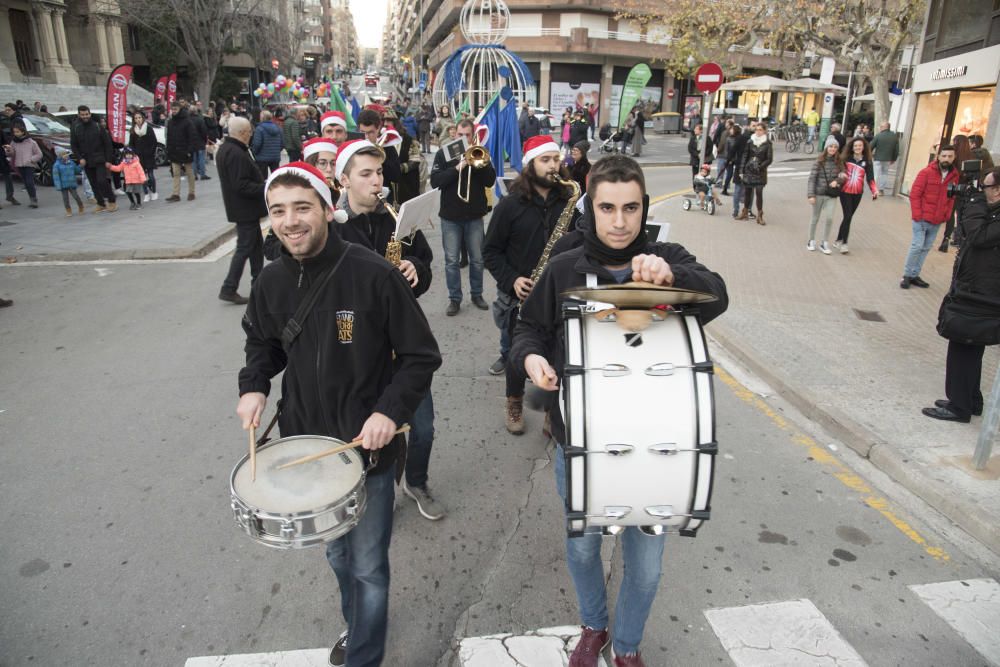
[(924, 234), (150, 184), (418, 449), (643, 556), (199, 162), (737, 197), (452, 235), (881, 174), (360, 560), (811, 132), (504, 342)]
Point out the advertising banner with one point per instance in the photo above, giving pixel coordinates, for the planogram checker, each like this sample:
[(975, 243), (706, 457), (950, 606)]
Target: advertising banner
[(117, 102), (564, 95), (692, 111), (171, 91), (638, 77), (160, 92), (650, 98)]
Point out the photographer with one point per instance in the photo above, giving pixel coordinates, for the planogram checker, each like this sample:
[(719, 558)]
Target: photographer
[(930, 206), (977, 275)]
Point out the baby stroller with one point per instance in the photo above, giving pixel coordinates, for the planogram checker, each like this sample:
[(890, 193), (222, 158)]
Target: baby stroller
[(610, 139), (703, 196)]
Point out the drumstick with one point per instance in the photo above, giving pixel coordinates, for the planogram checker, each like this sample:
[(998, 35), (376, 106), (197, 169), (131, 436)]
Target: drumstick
[(336, 450), (253, 455)]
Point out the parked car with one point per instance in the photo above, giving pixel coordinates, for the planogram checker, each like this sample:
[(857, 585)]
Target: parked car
[(371, 79), (159, 131), (50, 135)]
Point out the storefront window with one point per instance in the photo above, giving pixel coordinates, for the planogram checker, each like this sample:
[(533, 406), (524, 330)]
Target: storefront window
[(928, 125), (973, 112)]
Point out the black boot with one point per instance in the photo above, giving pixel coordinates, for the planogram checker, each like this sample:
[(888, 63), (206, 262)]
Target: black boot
[(944, 245)]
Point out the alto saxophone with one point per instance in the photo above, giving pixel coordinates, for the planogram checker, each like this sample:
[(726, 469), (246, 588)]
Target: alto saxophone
[(394, 248), (562, 224)]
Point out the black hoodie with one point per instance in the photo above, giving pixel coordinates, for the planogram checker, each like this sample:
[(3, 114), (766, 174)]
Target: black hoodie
[(340, 369)]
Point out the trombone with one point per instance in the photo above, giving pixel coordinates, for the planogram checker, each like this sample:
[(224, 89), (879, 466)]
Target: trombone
[(476, 157)]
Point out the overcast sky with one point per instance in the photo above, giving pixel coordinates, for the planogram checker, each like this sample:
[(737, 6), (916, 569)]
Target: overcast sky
[(369, 17)]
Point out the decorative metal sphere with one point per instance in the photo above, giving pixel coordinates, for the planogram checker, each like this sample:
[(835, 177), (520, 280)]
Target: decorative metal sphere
[(485, 21)]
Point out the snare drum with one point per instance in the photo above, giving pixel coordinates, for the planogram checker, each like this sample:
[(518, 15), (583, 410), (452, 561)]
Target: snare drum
[(640, 422), (301, 506)]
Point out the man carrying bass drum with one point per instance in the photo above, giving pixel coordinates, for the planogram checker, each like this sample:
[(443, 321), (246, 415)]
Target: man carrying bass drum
[(615, 250)]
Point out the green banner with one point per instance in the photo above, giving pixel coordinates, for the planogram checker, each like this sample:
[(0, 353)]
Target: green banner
[(338, 103), (638, 77)]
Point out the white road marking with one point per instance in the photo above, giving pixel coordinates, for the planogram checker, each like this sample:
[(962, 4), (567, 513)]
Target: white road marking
[(101, 272), (317, 657), (793, 633), (972, 608)]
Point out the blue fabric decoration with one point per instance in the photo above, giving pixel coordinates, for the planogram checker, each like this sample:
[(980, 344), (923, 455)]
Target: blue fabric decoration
[(453, 68), (505, 138)]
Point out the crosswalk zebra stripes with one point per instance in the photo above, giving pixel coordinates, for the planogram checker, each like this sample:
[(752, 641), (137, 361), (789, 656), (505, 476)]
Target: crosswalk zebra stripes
[(790, 632)]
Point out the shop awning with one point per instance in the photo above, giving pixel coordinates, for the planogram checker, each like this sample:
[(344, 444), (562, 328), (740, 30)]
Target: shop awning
[(766, 83), (870, 97), (816, 86)]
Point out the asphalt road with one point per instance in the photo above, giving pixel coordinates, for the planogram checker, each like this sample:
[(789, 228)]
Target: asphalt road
[(117, 412)]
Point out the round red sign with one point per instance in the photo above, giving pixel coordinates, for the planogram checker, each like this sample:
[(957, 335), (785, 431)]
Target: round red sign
[(119, 82), (708, 78)]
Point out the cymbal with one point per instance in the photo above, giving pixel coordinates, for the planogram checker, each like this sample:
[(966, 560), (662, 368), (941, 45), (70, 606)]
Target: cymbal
[(639, 295)]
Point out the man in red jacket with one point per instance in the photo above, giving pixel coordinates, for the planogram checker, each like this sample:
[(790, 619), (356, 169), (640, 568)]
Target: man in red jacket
[(929, 207)]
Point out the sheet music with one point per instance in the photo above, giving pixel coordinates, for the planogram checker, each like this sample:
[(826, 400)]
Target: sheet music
[(419, 212)]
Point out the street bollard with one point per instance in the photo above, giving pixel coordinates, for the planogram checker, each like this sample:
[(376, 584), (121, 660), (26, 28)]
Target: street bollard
[(991, 420)]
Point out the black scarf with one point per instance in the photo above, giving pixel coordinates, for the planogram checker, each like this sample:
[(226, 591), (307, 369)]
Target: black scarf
[(602, 254)]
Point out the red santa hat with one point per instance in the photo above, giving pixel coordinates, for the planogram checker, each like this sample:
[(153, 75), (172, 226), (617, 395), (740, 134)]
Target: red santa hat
[(481, 133), (316, 180), (347, 151), (318, 145), (332, 118), (538, 145), (389, 138), (378, 108)]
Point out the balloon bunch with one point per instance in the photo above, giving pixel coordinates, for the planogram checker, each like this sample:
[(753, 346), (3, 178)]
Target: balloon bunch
[(286, 85), (323, 90), (264, 90)]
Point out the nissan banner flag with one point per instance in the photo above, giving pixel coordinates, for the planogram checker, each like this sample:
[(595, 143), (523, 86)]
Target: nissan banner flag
[(117, 102), (160, 93), (171, 91)]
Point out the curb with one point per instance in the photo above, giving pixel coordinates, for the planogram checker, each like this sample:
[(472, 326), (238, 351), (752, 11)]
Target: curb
[(199, 249), (964, 513)]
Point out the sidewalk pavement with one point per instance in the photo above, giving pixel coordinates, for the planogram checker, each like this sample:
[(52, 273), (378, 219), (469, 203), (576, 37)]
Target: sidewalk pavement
[(834, 334), (837, 337), (160, 230)]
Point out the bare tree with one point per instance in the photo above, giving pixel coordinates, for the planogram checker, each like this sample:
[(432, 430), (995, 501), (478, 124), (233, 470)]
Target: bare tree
[(200, 29)]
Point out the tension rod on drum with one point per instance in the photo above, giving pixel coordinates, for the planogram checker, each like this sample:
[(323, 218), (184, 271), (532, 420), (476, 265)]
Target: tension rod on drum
[(608, 370), (666, 368)]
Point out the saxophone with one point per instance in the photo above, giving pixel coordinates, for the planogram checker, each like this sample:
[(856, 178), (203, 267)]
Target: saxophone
[(394, 248), (561, 225)]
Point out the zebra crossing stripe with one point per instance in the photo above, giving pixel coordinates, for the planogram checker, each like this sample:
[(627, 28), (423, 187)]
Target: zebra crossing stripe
[(793, 633), (316, 657), (971, 607)]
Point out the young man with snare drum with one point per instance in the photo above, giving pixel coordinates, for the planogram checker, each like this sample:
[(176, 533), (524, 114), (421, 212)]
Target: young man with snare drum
[(359, 368), (616, 250)]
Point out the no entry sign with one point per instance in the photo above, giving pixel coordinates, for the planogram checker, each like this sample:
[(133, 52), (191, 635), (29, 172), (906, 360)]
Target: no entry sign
[(708, 78)]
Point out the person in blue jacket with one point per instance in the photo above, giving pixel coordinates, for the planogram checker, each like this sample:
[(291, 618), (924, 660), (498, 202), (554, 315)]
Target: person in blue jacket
[(267, 144), (64, 173)]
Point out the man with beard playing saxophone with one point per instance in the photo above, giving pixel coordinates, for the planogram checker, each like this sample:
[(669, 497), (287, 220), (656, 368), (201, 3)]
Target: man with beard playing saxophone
[(372, 224), (521, 225)]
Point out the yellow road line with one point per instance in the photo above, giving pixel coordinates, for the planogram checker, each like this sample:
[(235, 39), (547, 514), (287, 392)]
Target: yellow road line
[(657, 200), (841, 472)]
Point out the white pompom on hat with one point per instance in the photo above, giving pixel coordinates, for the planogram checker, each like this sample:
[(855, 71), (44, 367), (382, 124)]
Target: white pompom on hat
[(538, 145)]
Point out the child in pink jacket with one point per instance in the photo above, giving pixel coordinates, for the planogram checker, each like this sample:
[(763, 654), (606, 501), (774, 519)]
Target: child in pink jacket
[(135, 177)]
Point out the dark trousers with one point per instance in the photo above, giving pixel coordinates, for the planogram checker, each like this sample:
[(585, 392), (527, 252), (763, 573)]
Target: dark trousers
[(7, 179), (97, 174), (962, 377), (748, 195), (849, 204), (267, 167), (28, 178), (293, 155), (418, 448), (729, 176), (249, 245), (516, 377)]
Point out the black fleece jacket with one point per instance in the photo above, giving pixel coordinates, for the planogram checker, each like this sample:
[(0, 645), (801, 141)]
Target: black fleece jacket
[(519, 229), (374, 230), (340, 369), (539, 329)]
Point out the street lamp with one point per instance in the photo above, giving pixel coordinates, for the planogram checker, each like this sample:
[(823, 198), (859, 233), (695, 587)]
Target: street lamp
[(855, 57)]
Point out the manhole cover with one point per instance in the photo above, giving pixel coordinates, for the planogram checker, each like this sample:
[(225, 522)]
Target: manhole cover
[(869, 315)]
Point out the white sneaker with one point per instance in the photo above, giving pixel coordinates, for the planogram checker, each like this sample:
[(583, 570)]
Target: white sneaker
[(844, 249), (119, 191), (836, 244), (811, 245), (145, 197), (154, 196), (824, 248)]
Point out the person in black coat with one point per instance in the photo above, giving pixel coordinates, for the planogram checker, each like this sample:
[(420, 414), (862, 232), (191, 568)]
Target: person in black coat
[(758, 154), (181, 140), (693, 151), (242, 187), (735, 144), (142, 141), (976, 272), (93, 148), (578, 128), (201, 139)]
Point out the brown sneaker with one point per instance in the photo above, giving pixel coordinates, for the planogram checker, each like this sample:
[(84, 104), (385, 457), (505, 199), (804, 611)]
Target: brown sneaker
[(69, 212), (82, 209), (100, 209), (112, 207), (515, 414), (190, 197), (589, 648), (630, 660)]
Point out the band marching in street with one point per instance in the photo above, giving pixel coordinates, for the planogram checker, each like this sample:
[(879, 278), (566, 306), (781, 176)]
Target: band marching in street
[(580, 288)]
